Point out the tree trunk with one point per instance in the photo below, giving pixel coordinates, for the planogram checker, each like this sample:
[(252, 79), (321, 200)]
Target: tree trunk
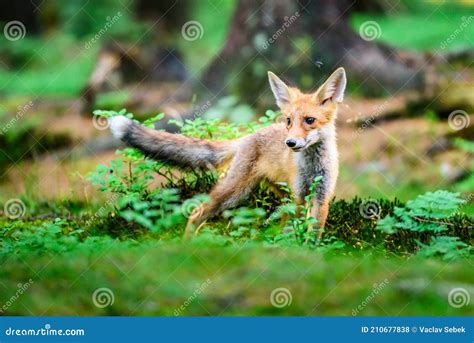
[(303, 42), (376, 65)]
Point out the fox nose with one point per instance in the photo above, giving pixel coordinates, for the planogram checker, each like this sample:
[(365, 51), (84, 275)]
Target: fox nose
[(290, 142)]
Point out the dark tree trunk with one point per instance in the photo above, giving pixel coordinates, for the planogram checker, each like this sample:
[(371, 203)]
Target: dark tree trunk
[(377, 65), (303, 41), (241, 66)]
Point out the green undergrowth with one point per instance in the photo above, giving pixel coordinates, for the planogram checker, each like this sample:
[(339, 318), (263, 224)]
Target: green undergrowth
[(149, 200), (346, 230)]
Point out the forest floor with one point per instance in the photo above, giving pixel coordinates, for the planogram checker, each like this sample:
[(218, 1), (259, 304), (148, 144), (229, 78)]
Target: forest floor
[(149, 275)]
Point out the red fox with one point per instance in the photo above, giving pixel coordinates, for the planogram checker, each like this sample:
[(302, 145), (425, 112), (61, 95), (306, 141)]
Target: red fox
[(295, 151)]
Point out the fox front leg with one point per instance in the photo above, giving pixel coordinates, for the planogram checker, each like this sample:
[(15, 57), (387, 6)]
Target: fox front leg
[(319, 210)]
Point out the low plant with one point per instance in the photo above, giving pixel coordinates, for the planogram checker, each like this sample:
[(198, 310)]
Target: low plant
[(446, 247), (428, 214), (296, 217)]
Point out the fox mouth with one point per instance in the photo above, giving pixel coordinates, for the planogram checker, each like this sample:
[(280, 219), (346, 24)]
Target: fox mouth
[(300, 148)]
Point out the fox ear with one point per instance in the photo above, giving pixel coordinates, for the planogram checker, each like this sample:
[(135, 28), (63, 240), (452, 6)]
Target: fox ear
[(280, 90), (333, 88)]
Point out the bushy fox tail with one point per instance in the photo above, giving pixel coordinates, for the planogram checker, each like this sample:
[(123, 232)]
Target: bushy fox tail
[(178, 150)]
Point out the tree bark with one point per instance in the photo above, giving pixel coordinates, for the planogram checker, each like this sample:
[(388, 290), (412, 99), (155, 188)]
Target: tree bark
[(303, 41)]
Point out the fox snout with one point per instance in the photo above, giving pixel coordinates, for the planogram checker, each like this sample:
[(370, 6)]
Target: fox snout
[(295, 143), (301, 143)]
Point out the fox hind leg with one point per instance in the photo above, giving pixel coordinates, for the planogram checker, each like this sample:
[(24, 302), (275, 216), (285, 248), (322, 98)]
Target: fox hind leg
[(222, 197), (238, 183)]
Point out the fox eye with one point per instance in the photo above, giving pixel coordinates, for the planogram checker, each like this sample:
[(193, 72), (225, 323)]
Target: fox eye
[(309, 120), (288, 121)]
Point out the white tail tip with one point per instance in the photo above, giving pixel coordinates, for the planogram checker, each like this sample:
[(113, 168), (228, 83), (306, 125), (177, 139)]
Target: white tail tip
[(118, 126)]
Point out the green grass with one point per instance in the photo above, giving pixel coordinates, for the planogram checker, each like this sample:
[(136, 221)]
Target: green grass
[(153, 278), (423, 26)]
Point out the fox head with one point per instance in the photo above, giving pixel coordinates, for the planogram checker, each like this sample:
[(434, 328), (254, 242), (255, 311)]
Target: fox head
[(306, 115)]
